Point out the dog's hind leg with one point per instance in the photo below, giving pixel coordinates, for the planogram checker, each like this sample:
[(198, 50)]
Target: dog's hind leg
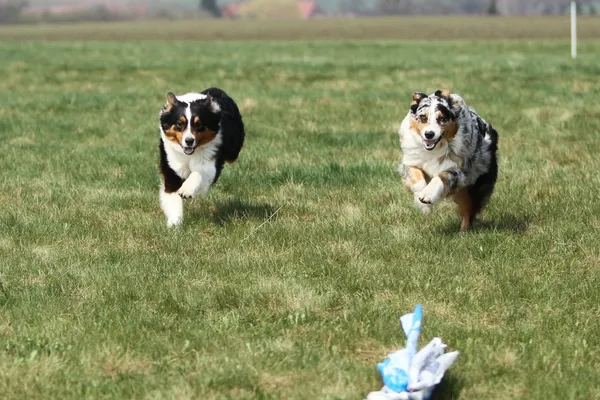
[(480, 195), (482, 189), (465, 208)]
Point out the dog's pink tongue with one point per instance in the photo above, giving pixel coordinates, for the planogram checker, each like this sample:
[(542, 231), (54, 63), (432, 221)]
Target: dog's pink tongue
[(429, 144)]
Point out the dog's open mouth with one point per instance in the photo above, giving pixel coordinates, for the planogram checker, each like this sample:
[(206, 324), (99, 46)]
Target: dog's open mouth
[(430, 144), (188, 150)]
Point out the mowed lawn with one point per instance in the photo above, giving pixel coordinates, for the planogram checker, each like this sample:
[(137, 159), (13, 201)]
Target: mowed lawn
[(288, 280)]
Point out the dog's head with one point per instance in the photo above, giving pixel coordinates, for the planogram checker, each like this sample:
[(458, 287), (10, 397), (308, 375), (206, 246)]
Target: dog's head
[(189, 121), (434, 117)]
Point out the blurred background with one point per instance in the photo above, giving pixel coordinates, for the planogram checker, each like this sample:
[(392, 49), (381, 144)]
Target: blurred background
[(62, 11)]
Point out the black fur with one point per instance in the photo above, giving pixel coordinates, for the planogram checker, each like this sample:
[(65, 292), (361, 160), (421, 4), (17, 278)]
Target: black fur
[(231, 128), (227, 121), (483, 187), (448, 114), (417, 97), (470, 182), (171, 180)]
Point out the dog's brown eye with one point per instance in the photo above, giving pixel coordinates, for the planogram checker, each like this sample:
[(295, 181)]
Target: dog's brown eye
[(423, 118), (180, 125), (442, 120)]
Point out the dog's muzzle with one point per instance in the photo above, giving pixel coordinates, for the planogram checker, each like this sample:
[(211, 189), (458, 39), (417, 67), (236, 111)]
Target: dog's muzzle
[(429, 144), (189, 146)]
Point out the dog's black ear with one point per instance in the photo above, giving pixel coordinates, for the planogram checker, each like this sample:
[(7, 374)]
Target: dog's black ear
[(416, 99), (444, 94), (212, 105), (171, 102), (447, 95)]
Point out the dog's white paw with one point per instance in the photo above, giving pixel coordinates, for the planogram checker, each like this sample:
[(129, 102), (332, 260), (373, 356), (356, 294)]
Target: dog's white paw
[(172, 205), (188, 189), (432, 192), (425, 209), (173, 222), (426, 199)]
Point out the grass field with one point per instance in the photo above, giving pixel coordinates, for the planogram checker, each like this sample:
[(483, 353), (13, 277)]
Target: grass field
[(287, 282), (407, 28)]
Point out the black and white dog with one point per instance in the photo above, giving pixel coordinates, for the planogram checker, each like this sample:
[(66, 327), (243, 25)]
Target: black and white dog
[(448, 151), (199, 132)]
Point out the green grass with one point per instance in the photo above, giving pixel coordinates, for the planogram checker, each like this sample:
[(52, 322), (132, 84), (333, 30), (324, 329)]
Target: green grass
[(288, 280)]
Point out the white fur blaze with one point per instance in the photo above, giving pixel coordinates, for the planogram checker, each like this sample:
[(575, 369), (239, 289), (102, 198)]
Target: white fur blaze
[(172, 206)]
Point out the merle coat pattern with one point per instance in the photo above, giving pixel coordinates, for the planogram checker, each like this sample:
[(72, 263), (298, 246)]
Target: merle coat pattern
[(449, 151)]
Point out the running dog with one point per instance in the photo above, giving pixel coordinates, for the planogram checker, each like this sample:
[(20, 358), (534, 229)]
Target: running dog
[(448, 151), (199, 132)]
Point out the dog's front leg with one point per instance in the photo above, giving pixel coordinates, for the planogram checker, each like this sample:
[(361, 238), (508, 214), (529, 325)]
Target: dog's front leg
[(172, 206), (209, 172), (415, 180), (199, 181), (444, 183), (190, 186)]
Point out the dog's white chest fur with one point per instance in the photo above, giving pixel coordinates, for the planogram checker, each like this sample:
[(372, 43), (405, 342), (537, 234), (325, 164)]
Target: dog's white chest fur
[(179, 163), (414, 154), (183, 164), (198, 171)]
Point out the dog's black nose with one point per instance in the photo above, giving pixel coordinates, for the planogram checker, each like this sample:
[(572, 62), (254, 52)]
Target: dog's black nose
[(189, 141), (429, 135)]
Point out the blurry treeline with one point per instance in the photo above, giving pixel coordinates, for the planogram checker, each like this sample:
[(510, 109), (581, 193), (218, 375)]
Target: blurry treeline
[(34, 11)]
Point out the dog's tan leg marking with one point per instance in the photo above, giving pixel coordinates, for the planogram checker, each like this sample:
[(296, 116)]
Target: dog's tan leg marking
[(416, 179), (465, 208)]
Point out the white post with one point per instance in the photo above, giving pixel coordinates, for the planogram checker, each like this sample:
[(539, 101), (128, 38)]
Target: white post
[(573, 29)]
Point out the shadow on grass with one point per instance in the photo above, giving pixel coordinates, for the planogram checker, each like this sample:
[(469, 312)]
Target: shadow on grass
[(230, 210), (506, 223), (448, 389)]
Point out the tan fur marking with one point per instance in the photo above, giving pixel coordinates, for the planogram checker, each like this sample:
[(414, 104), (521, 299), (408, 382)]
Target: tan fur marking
[(449, 128), (204, 137), (416, 175), (446, 93), (465, 208), (416, 98), (444, 178), (417, 126), (174, 135), (171, 99)]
